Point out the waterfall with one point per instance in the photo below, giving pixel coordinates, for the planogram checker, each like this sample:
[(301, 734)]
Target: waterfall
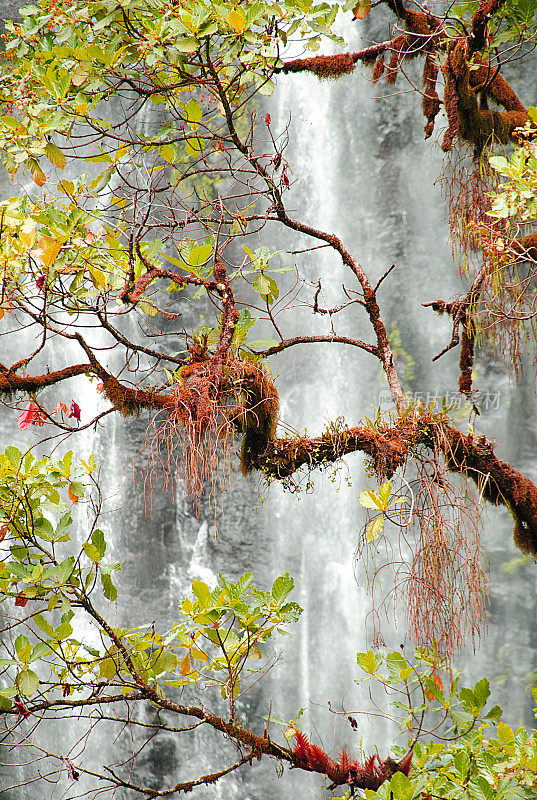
[(360, 170)]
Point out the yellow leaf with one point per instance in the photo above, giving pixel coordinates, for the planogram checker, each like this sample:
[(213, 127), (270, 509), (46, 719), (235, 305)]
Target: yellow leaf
[(79, 76), (199, 655), (97, 275), (48, 250), (374, 528), (237, 20), (27, 233), (290, 732)]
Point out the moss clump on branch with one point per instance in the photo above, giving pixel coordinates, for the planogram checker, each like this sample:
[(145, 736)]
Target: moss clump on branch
[(499, 482), (430, 101), (467, 117), (128, 401), (11, 382), (259, 418), (240, 392), (325, 67)]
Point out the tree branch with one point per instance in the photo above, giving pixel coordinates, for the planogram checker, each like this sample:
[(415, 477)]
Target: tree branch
[(331, 338), (11, 382)]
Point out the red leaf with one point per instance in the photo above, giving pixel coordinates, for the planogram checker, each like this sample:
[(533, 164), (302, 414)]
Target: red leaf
[(75, 411), (32, 415), (59, 407), (19, 706), (267, 120), (21, 600)]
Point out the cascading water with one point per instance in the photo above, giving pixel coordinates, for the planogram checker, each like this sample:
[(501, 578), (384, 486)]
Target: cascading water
[(359, 173)]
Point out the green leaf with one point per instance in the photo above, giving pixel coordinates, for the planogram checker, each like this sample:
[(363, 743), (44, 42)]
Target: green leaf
[(261, 284), (107, 668), (77, 489), (461, 718), (192, 113), (384, 493), (494, 714), (460, 763), (367, 661), (98, 541), (203, 593), (91, 552), (65, 569), (396, 662), (505, 734), (23, 648), (262, 344), (481, 692), (168, 153), (187, 44), (45, 626), (109, 590), (480, 789), (200, 254), (27, 682), (14, 455), (401, 787), (282, 587), (41, 650), (63, 631), (500, 164), (10, 121), (55, 155), (166, 662)]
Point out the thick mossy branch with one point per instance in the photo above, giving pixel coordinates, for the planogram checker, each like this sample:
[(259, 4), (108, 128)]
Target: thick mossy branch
[(390, 447), (466, 90), (330, 67), (129, 401), (11, 382), (240, 391), (499, 482), (482, 16), (423, 32), (388, 450), (430, 103), (466, 117), (484, 75), (258, 417)]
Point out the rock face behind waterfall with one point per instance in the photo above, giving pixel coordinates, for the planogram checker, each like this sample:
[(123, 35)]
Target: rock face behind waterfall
[(363, 172)]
